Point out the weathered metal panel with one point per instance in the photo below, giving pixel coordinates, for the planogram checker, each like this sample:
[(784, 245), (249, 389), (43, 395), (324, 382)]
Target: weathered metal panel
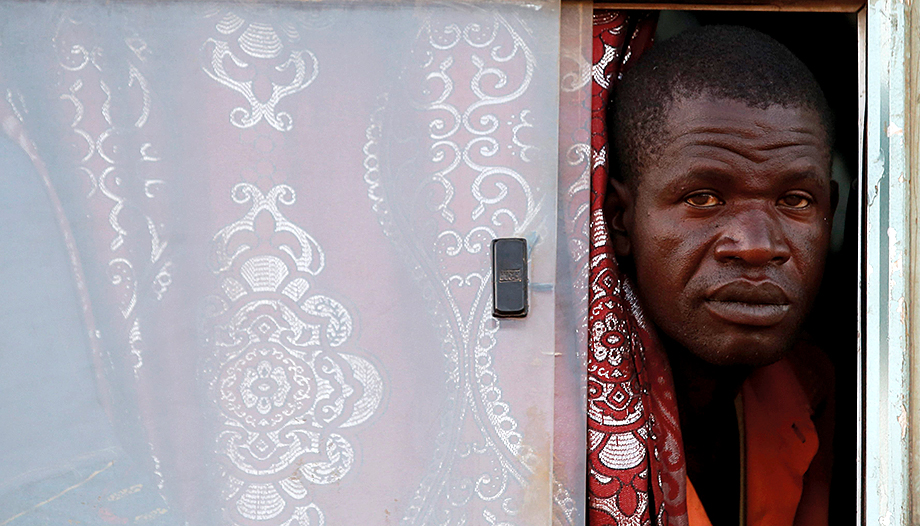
[(888, 263)]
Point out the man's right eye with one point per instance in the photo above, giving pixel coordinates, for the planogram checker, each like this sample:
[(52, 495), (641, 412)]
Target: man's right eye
[(702, 200)]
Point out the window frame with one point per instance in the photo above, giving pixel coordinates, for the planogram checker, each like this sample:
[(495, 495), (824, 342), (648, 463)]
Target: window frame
[(888, 449)]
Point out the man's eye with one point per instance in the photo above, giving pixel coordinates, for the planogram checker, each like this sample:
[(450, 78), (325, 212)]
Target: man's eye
[(795, 201), (703, 200)]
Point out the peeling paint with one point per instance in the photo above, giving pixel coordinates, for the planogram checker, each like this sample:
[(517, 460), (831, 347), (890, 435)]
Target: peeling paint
[(894, 130), (896, 266), (902, 420), (873, 195)]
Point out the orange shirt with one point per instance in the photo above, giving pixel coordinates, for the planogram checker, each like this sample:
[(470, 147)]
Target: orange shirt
[(787, 479)]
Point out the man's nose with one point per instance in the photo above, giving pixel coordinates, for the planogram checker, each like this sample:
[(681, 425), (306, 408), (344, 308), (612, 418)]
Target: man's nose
[(754, 237)]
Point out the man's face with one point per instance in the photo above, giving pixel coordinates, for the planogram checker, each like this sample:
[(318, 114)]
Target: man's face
[(729, 227)]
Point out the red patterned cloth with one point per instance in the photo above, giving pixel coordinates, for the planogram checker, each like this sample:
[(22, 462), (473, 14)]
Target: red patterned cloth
[(636, 469)]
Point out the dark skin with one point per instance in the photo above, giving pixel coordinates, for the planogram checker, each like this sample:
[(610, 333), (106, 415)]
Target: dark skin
[(726, 232)]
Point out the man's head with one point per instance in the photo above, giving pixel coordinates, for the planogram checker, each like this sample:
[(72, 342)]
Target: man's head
[(726, 206), (721, 62)]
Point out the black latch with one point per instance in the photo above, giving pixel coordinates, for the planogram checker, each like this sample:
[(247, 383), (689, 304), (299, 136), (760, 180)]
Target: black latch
[(509, 277)]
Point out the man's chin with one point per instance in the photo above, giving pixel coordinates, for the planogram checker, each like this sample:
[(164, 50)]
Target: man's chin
[(746, 352)]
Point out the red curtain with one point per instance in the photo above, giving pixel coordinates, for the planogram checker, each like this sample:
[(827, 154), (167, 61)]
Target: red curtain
[(636, 472)]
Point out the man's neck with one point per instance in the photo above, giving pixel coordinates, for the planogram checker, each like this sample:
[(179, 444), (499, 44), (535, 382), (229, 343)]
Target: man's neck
[(700, 385), (706, 396)]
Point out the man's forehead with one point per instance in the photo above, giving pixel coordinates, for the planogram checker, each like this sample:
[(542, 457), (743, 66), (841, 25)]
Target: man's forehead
[(701, 113), (710, 125)]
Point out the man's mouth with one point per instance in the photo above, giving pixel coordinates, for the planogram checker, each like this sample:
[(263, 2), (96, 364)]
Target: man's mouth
[(745, 303)]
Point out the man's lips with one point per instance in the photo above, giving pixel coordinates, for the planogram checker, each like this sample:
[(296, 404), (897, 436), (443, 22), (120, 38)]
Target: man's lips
[(744, 303)]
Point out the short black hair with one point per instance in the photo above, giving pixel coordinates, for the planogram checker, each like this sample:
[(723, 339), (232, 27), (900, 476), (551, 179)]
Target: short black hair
[(722, 62)]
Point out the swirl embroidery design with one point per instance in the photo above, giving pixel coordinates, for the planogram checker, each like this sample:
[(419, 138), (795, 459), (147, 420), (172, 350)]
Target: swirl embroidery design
[(259, 42), (114, 133), (284, 387), (441, 203)]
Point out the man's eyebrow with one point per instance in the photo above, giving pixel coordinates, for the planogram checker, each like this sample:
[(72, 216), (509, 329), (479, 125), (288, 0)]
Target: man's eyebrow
[(718, 176), (697, 174), (810, 174)]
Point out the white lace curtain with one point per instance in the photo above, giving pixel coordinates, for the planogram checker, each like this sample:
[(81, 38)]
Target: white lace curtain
[(245, 263)]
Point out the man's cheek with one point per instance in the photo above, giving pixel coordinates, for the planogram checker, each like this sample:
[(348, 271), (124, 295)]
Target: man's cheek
[(811, 248), (676, 255), (659, 234)]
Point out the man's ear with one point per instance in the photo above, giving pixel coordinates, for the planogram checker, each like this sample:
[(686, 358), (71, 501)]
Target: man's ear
[(618, 208)]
